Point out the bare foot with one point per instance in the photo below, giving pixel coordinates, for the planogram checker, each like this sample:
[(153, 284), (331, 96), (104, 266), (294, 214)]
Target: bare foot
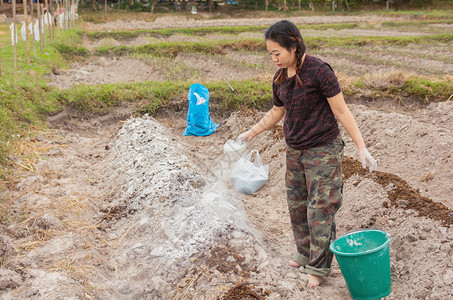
[(293, 264), (314, 280)]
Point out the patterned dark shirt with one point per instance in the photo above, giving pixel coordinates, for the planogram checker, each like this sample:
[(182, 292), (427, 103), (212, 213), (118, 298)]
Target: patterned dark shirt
[(309, 120)]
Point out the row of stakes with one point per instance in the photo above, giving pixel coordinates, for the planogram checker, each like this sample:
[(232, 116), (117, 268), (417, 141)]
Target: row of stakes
[(45, 24)]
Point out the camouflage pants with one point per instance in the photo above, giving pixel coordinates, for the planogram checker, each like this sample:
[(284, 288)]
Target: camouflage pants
[(314, 192)]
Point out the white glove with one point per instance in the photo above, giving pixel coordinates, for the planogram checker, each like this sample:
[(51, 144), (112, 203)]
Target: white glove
[(367, 160), (245, 136)]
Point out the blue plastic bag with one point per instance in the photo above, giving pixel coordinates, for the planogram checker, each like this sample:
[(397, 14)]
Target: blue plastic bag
[(199, 121)]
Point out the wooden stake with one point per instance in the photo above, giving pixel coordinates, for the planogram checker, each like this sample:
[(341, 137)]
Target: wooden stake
[(49, 26), (41, 42), (67, 15), (27, 33), (73, 10), (52, 20), (71, 17), (70, 14), (65, 12), (58, 14), (14, 35), (63, 8), (44, 33), (32, 27), (52, 13)]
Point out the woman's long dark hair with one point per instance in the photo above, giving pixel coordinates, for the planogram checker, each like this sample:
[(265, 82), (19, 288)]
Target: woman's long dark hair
[(287, 35)]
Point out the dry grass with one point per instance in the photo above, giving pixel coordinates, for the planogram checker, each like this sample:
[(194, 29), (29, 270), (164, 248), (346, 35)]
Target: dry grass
[(347, 82), (30, 245), (38, 236), (382, 80), (185, 284), (373, 81), (264, 77), (79, 268), (100, 17), (76, 205), (27, 151)]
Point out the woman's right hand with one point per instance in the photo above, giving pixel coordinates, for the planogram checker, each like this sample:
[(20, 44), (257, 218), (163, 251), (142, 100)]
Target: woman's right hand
[(272, 117), (245, 136)]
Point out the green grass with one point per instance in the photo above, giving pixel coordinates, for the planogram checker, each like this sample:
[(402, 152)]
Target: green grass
[(319, 42), (149, 96), (20, 107), (25, 98), (168, 32), (419, 23), (86, 14), (427, 14), (429, 89), (171, 49), (201, 31), (5, 35), (433, 89)]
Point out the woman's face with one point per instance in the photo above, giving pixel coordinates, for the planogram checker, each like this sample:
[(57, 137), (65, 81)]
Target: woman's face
[(280, 56)]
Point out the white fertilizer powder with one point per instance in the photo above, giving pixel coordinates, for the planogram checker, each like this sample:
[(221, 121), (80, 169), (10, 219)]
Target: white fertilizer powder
[(189, 212)]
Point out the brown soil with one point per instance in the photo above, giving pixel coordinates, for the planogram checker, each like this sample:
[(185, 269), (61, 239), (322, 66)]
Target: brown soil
[(256, 20), (402, 194), (246, 292), (6, 9), (100, 70)]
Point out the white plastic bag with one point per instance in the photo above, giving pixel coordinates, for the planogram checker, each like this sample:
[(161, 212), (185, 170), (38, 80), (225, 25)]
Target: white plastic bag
[(37, 30), (247, 176), (233, 150), (22, 31), (12, 34)]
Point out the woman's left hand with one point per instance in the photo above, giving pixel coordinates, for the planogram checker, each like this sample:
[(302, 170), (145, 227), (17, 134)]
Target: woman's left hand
[(367, 160)]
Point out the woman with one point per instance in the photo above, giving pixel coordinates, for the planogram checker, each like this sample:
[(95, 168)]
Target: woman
[(306, 91)]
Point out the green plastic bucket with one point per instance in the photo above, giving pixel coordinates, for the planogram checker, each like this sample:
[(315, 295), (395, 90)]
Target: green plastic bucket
[(364, 259)]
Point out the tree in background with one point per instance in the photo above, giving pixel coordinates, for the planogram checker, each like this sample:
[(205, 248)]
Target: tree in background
[(412, 3), (358, 3), (281, 5)]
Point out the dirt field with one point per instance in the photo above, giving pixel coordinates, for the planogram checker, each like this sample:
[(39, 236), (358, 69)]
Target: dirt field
[(125, 207)]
